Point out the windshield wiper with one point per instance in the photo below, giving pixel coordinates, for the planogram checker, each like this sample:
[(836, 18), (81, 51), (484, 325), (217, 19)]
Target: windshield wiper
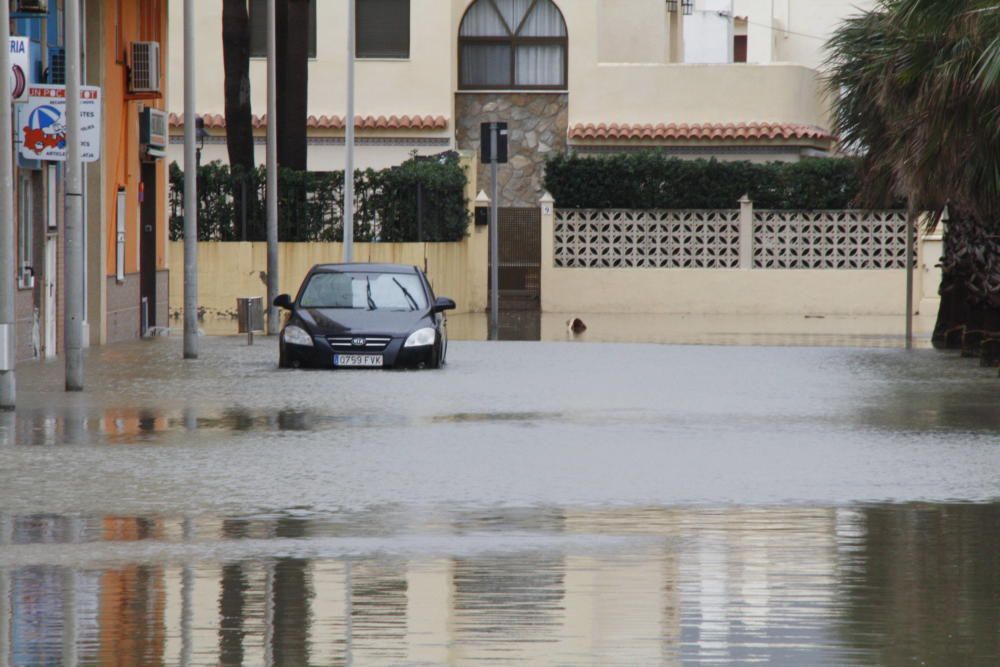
[(371, 301), (409, 297)]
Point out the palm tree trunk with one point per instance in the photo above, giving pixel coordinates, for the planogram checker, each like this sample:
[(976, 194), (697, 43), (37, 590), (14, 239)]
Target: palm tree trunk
[(239, 120), (293, 72)]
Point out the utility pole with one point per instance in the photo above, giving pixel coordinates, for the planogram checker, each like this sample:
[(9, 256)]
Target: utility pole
[(190, 191), (494, 237), (349, 142), (912, 221), (73, 267), (8, 386), (272, 168)]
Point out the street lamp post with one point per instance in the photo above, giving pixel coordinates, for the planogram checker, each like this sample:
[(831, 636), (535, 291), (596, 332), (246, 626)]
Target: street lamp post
[(349, 142), (73, 235), (190, 190), (7, 287), (272, 169)]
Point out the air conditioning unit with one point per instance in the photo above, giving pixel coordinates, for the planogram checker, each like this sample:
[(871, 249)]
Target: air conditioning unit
[(57, 65), (144, 75), (29, 6)]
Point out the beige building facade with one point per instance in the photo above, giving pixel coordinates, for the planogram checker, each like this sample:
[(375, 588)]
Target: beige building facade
[(585, 75)]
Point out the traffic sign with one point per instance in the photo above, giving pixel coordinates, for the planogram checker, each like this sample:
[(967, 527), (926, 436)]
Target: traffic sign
[(41, 124), (20, 68)]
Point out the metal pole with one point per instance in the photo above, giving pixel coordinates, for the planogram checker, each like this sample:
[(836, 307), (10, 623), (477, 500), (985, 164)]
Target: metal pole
[(8, 386), (494, 240), (272, 169), (190, 190), (349, 142), (911, 222), (731, 31), (73, 267), (420, 212), (187, 593)]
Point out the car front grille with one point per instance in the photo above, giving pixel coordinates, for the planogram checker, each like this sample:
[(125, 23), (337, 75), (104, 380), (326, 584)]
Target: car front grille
[(374, 343)]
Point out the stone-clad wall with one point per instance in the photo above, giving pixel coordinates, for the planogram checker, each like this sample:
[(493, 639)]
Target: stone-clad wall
[(537, 124)]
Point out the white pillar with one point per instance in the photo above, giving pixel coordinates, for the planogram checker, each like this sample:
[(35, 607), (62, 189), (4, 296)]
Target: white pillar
[(746, 232), (548, 206)]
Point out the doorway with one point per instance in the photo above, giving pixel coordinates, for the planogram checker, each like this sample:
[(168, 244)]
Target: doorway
[(147, 248), (519, 234)]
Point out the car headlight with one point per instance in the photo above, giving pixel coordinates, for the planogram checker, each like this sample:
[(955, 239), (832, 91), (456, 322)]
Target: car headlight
[(421, 337), (297, 336)]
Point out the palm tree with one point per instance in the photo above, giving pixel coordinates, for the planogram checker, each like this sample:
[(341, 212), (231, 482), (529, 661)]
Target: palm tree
[(916, 86), (239, 119)]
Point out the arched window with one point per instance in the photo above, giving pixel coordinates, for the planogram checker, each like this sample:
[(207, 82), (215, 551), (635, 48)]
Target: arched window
[(505, 44)]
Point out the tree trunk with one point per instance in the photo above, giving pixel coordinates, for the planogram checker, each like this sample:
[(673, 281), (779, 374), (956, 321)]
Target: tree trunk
[(293, 76), (239, 119)]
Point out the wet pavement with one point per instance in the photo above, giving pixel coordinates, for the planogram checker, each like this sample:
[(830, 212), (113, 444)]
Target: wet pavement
[(536, 503)]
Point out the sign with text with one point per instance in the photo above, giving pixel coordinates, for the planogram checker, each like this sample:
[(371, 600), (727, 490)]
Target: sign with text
[(20, 68), (41, 125)]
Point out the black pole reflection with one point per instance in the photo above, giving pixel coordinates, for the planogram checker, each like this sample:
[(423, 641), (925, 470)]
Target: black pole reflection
[(291, 602)]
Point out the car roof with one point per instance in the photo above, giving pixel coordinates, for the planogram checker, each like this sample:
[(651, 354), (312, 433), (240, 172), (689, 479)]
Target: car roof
[(365, 266)]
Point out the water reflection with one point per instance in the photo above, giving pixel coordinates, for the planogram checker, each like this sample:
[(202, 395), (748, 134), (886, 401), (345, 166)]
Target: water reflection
[(882, 584)]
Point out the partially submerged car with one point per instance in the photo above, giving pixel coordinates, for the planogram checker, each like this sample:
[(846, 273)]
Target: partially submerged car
[(363, 315)]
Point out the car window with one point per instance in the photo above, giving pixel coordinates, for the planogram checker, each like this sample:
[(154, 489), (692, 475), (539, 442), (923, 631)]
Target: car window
[(364, 290)]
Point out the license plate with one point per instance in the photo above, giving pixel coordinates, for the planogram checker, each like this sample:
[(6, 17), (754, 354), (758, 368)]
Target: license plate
[(362, 360)]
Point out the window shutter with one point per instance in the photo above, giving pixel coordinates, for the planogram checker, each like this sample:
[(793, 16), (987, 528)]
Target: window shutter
[(258, 28), (382, 29)]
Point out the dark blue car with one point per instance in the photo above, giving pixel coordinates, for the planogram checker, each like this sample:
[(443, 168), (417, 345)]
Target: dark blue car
[(364, 316)]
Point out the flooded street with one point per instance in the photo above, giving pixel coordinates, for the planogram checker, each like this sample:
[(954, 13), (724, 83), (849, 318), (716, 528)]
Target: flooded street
[(536, 502)]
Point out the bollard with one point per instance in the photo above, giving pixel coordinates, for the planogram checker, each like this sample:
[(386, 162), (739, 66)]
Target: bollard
[(250, 315)]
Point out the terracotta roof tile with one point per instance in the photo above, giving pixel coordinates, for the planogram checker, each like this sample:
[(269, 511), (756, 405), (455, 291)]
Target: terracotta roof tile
[(405, 122), (696, 131)]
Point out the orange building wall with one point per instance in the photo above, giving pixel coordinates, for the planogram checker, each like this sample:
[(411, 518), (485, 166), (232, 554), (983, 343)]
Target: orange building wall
[(124, 24)]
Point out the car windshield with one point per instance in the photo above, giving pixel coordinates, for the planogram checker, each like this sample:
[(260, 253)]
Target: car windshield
[(364, 290)]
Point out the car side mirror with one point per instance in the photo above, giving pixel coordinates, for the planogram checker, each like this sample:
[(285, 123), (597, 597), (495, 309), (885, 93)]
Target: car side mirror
[(283, 301), (442, 304)]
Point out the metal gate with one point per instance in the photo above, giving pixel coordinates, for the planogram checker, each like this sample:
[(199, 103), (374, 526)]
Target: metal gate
[(520, 236)]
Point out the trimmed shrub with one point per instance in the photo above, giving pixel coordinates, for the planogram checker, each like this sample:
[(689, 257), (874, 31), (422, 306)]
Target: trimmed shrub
[(653, 180), (232, 204)]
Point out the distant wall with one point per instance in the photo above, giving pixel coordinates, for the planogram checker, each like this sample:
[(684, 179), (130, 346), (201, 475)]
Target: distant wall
[(230, 270), (732, 262)]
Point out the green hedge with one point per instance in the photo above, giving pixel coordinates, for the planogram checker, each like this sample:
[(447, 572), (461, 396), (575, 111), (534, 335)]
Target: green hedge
[(653, 180), (310, 204)]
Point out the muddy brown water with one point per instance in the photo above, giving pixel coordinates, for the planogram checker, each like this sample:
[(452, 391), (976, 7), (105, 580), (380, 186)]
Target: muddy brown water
[(534, 503)]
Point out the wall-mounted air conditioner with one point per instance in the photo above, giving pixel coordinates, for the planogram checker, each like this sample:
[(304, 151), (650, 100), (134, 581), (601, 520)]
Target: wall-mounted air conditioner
[(29, 6), (56, 73), (144, 74)]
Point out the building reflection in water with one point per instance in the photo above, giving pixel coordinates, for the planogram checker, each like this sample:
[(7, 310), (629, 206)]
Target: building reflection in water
[(854, 585)]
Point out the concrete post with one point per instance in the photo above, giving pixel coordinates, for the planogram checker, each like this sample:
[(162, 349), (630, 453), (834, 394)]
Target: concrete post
[(8, 350), (746, 233), (548, 206), (272, 169), (73, 266), (190, 190)]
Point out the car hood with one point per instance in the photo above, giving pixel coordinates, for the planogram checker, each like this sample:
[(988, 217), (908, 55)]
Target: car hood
[(329, 321)]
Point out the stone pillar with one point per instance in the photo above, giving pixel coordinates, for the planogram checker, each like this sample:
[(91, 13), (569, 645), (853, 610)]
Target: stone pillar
[(746, 233), (548, 206)]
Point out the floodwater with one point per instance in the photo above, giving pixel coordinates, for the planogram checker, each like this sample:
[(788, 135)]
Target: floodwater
[(536, 503)]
